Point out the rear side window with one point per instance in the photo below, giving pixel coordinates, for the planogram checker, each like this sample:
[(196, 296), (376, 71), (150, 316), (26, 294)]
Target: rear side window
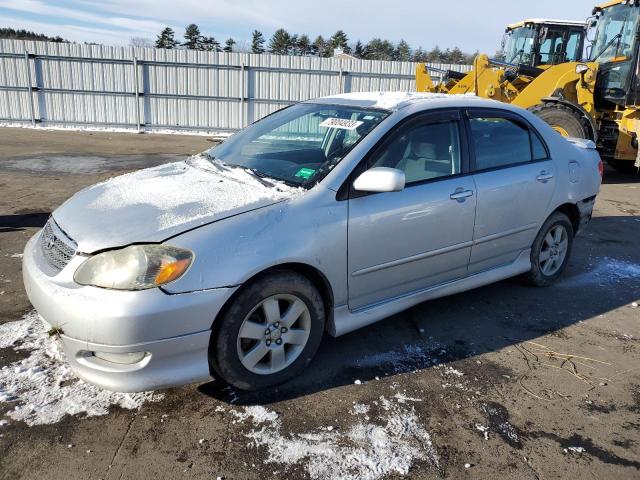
[(501, 142)]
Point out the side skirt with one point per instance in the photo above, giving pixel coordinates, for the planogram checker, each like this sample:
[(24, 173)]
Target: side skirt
[(345, 320)]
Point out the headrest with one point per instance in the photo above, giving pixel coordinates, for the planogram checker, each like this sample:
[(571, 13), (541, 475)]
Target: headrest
[(421, 147)]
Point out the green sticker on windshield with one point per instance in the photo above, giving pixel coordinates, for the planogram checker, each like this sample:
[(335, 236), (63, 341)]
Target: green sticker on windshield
[(305, 173)]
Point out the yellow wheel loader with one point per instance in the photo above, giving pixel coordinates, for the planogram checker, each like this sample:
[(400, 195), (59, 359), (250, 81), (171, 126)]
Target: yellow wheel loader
[(528, 47), (598, 99)]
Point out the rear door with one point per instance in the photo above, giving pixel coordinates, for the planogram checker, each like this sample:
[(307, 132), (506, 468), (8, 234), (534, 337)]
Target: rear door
[(402, 242), (515, 179)]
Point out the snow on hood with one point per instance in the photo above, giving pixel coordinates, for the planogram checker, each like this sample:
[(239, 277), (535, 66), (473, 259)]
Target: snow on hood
[(154, 204)]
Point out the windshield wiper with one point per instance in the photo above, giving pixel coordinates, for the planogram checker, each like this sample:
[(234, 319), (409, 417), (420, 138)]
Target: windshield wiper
[(258, 175), (617, 38), (252, 171)]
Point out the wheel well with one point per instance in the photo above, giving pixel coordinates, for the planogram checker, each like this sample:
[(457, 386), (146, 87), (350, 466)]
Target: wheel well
[(311, 273), (571, 210)]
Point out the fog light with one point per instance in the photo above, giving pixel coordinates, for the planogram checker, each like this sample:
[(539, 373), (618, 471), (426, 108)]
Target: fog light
[(120, 358)]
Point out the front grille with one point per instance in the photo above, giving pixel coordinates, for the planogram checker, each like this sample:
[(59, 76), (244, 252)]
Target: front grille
[(57, 248)]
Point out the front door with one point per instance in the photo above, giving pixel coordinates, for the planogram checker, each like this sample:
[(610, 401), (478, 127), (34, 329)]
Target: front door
[(403, 242)]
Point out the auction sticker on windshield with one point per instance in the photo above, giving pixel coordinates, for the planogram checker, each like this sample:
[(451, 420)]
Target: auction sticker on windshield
[(305, 173), (341, 123)]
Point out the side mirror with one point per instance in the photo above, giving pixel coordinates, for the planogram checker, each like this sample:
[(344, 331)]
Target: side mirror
[(380, 179)]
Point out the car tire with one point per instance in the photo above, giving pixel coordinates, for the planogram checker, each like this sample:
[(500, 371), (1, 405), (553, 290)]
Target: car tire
[(551, 250), (258, 325)]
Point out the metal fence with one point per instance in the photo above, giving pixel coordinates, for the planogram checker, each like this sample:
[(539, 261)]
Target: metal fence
[(149, 89)]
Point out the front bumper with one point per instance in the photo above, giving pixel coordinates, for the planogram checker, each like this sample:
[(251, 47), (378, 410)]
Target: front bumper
[(172, 329)]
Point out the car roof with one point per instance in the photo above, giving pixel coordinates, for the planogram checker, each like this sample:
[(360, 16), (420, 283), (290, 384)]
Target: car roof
[(394, 101)]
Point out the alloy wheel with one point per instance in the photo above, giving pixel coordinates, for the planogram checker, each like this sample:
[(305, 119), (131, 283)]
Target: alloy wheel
[(553, 250), (274, 334)]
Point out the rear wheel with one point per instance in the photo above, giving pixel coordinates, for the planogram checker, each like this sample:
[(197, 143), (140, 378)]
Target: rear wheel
[(551, 250), (564, 120), (270, 332)]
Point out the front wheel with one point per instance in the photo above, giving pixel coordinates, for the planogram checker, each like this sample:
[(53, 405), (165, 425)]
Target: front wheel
[(551, 250), (564, 120), (269, 333)]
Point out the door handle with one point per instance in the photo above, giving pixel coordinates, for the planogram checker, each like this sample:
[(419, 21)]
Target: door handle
[(461, 194), (544, 176)]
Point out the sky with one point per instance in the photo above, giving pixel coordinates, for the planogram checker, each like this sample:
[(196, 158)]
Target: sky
[(470, 24)]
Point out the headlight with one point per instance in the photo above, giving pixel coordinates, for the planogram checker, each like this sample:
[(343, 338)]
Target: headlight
[(137, 267)]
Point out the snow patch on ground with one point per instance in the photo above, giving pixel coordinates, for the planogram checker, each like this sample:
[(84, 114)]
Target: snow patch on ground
[(41, 388), (607, 271), (575, 450), (406, 359), (452, 371), (366, 451), (98, 128)]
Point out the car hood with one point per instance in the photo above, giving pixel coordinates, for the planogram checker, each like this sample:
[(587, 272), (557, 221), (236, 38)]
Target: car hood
[(154, 204)]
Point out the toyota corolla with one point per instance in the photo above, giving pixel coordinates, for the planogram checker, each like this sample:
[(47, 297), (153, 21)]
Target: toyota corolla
[(319, 219)]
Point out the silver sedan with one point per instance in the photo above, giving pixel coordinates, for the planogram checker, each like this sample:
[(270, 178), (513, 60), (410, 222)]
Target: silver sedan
[(323, 217)]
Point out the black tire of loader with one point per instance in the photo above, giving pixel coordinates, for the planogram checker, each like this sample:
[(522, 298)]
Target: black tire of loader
[(572, 122)]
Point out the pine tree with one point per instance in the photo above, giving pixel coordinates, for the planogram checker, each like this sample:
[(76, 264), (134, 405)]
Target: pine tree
[(209, 44), (280, 42), (435, 55), (304, 45), (166, 39), (228, 45), (319, 47), (339, 40), (193, 40), (446, 56), (456, 56), (379, 49), (359, 51), (420, 56), (293, 45), (403, 52), (257, 42)]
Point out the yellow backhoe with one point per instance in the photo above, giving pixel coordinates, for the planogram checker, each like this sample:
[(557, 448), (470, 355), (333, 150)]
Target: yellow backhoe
[(597, 99)]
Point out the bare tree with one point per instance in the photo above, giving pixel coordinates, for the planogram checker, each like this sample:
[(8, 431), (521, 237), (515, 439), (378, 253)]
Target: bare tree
[(141, 42)]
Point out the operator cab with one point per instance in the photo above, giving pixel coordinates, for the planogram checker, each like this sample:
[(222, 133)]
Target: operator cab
[(539, 42), (615, 48)]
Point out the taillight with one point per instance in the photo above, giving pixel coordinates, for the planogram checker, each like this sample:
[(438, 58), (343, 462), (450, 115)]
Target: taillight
[(600, 168)]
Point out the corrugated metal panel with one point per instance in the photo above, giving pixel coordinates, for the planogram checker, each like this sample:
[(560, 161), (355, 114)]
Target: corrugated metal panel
[(96, 84)]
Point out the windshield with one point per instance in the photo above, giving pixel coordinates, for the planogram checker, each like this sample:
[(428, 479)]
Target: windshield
[(300, 144), (615, 35), (520, 45)]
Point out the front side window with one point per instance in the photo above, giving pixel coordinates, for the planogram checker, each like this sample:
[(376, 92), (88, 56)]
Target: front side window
[(575, 46), (501, 142), (551, 47), (423, 151), (300, 144)]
